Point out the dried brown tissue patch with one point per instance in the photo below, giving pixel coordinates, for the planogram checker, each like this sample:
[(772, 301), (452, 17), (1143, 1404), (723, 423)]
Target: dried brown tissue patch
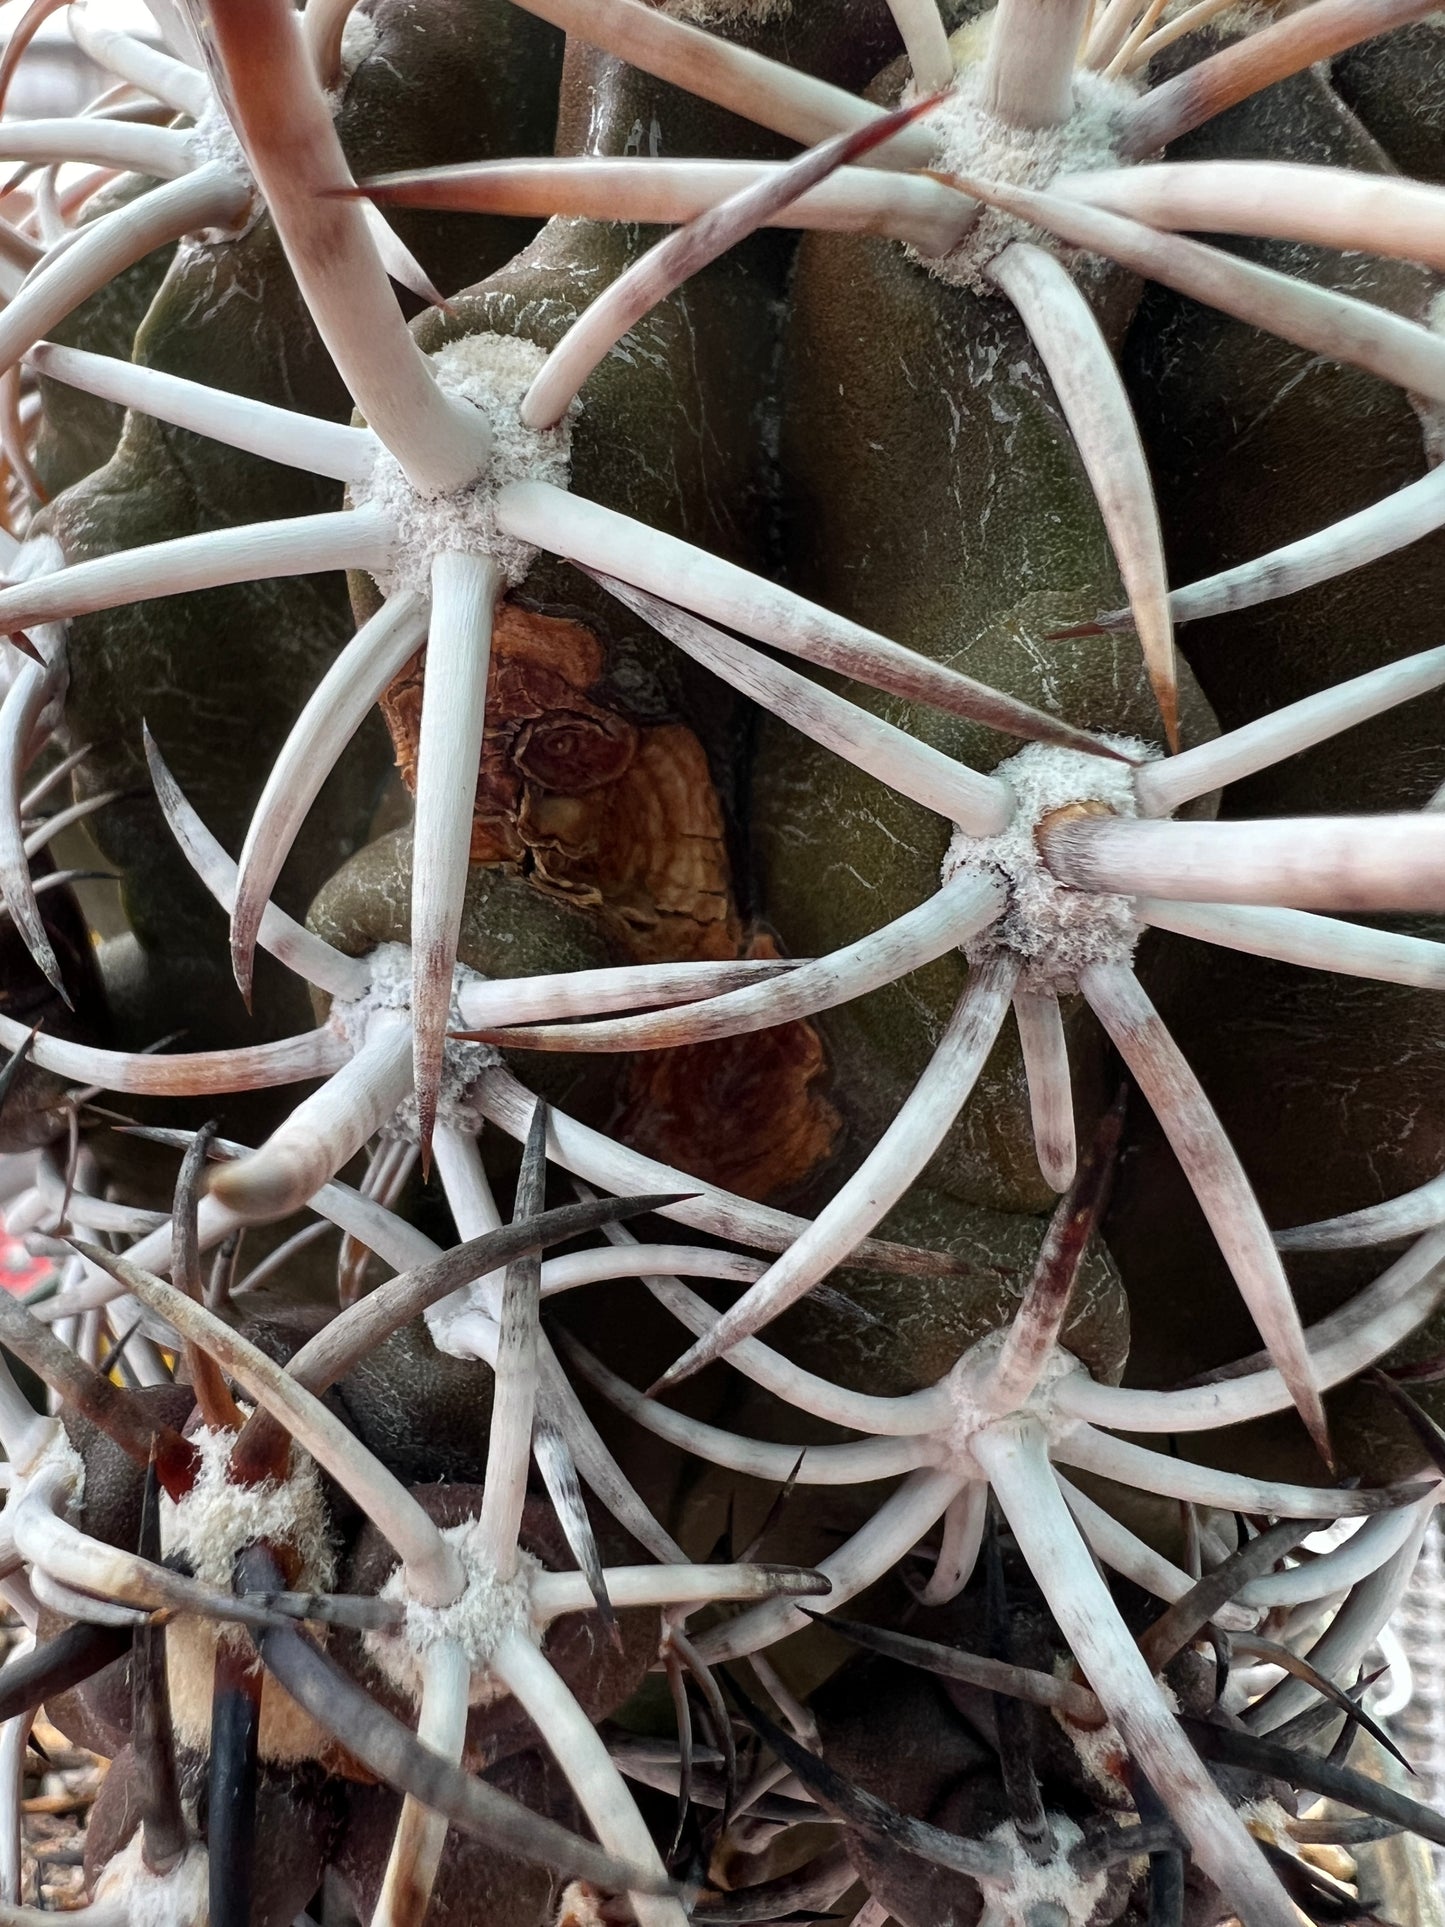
[(623, 819)]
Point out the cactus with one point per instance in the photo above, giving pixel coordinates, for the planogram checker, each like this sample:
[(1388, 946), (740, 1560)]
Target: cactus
[(827, 875)]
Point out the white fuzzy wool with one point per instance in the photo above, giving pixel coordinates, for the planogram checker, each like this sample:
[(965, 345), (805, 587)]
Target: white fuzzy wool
[(360, 38), (707, 13), (214, 143), (974, 141), (1100, 1749), (1042, 1883), (179, 1898), (488, 1610), (217, 1519), (390, 991), (1053, 930), (493, 373)]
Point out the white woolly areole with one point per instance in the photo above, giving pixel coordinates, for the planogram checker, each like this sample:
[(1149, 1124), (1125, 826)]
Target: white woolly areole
[(488, 1610), (210, 1526), (1268, 1820), (390, 991), (1100, 1750), (707, 13), (360, 38), (60, 1455), (493, 373), (179, 1898), (217, 1519), (1034, 1883), (973, 140), (214, 143), (1055, 932), (970, 1412)]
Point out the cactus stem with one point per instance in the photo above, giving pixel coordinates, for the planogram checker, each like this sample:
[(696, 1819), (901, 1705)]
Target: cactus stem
[(1334, 324), (1288, 46), (1304, 863), (1091, 393), (1029, 68), (487, 1005), (580, 1752), (916, 209), (298, 948), (912, 767), (1300, 937), (1134, 1465), (600, 1160), (663, 268), (925, 41), (30, 693), (358, 538), (601, 539), (1202, 1146), (421, 1831), (1163, 787), (334, 712), (1356, 1336), (514, 1394), (963, 907), (250, 1067), (258, 427), (851, 1464), (154, 72), (211, 196), (284, 122), (158, 151), (323, 26), (763, 91), (894, 1529), (1377, 214), (1051, 1099), (1414, 1212), (454, 703), (1017, 1463), (893, 1164), (959, 1545)]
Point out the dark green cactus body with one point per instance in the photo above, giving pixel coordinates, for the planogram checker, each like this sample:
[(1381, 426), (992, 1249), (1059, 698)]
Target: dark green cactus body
[(933, 493)]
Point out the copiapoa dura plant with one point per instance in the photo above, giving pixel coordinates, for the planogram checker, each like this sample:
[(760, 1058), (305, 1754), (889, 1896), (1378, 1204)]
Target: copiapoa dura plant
[(722, 1267)]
